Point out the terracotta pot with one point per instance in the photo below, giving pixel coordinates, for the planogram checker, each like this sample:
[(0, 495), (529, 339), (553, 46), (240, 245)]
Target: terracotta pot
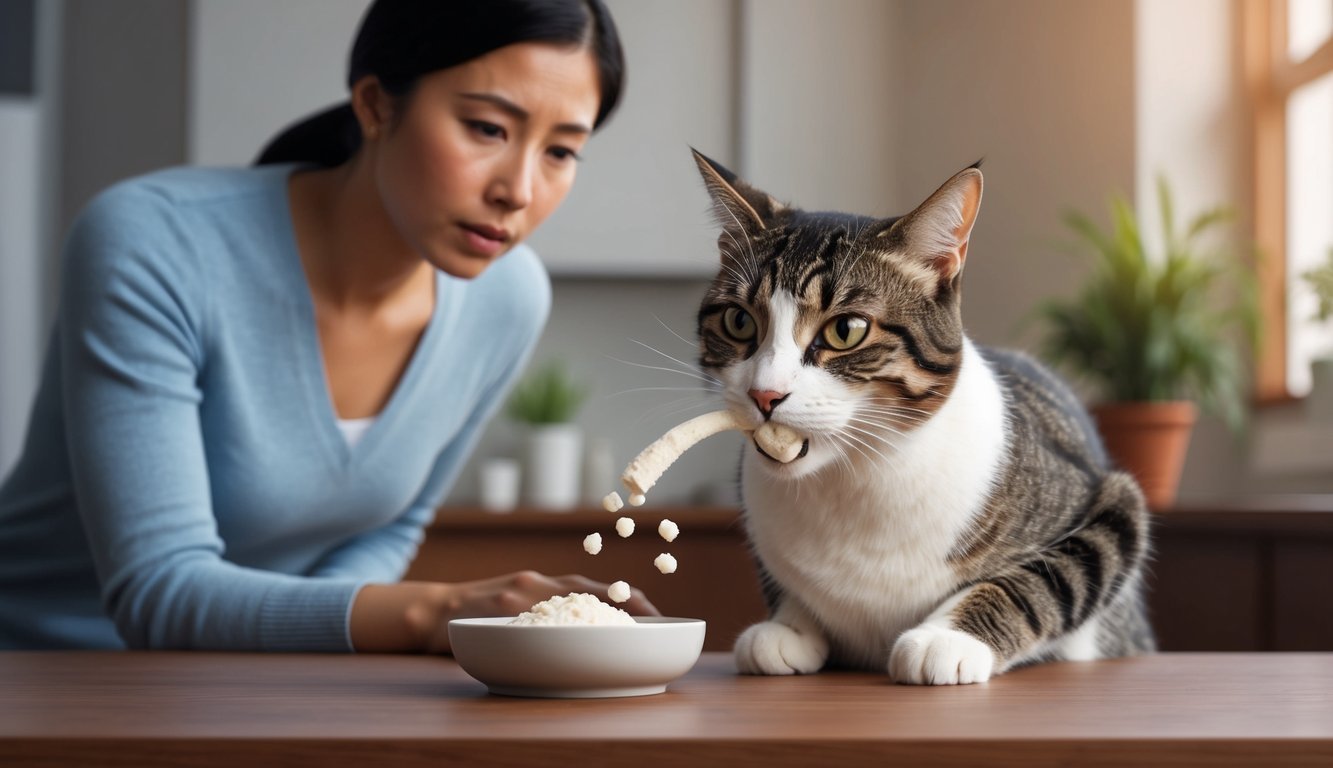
[(1149, 440)]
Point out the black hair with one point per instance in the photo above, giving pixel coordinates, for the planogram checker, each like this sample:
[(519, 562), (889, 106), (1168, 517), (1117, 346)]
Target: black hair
[(399, 41)]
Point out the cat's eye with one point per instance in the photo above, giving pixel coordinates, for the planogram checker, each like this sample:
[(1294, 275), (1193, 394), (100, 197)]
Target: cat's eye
[(845, 332), (738, 324)]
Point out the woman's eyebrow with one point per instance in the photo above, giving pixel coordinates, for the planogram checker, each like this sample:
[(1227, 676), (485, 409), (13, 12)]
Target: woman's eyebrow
[(522, 114)]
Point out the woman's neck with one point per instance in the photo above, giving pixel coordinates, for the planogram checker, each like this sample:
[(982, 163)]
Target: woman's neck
[(353, 256)]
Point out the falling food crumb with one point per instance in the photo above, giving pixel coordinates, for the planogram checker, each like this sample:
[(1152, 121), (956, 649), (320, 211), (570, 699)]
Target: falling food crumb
[(637, 499), (665, 563), (592, 543), (619, 592), (668, 530), (612, 502), (624, 527)]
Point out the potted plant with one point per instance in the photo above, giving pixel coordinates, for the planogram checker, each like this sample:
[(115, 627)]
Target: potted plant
[(1320, 280), (1156, 335), (545, 402)]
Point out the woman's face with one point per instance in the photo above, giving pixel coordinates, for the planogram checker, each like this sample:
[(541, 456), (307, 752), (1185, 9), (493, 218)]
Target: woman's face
[(485, 151)]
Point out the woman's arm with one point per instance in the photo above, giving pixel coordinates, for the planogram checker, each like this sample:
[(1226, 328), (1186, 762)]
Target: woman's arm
[(133, 341)]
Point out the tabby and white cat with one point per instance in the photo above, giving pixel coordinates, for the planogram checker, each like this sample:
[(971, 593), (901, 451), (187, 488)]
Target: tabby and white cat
[(954, 513)]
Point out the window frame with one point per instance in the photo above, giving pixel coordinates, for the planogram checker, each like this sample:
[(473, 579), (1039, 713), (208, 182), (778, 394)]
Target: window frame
[(1271, 78)]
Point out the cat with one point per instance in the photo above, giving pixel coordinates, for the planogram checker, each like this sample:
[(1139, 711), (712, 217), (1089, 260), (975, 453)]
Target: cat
[(953, 514)]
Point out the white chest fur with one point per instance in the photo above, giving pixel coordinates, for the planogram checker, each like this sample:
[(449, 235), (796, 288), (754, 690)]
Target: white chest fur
[(864, 544)]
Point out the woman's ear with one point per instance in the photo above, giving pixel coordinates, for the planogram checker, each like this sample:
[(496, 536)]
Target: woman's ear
[(372, 105)]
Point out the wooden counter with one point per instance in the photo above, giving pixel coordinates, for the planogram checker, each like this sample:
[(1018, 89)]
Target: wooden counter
[(1236, 575), (205, 709)]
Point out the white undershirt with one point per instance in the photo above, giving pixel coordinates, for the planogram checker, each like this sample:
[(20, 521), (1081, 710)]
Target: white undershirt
[(354, 429)]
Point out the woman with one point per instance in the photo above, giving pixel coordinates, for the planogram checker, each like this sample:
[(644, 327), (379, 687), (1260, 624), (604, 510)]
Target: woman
[(263, 381)]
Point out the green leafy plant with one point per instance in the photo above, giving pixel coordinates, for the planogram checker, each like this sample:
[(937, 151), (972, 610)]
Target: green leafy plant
[(1320, 280), (1147, 328), (546, 395)]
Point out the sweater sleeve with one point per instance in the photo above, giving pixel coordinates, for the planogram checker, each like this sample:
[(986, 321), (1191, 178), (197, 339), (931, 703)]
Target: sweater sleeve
[(131, 349), (384, 555)]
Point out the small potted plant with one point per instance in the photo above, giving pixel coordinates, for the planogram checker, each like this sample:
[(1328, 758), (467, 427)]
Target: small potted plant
[(1320, 280), (545, 403), (1156, 335)]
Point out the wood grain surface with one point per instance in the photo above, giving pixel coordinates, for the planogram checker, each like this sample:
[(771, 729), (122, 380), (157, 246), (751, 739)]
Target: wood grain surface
[(207, 709)]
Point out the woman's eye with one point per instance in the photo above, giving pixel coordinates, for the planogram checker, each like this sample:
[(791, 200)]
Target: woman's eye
[(845, 332), (489, 130), (738, 324), (564, 153)]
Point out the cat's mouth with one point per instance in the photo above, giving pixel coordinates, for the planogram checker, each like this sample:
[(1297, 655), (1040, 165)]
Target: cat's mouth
[(805, 448)]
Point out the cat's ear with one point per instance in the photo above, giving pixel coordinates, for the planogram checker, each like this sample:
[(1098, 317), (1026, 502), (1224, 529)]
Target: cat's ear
[(736, 204), (936, 234)]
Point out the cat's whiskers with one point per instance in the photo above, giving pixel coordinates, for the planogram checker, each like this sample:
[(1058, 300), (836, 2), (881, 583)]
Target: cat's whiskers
[(889, 419), (879, 426), (651, 389), (911, 419), (708, 380), (897, 402), (688, 343), (677, 412), (842, 460), (689, 368), (845, 431), (702, 401), (848, 443)]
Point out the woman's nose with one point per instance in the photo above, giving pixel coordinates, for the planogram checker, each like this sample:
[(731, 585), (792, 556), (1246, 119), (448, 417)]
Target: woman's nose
[(512, 185)]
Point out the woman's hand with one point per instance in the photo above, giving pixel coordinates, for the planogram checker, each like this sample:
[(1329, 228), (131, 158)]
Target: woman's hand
[(414, 616)]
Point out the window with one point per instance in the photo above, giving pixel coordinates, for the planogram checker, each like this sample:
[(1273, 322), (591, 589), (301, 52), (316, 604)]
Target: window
[(1289, 74)]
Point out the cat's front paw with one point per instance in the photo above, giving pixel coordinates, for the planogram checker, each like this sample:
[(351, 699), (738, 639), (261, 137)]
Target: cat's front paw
[(772, 648), (932, 655)]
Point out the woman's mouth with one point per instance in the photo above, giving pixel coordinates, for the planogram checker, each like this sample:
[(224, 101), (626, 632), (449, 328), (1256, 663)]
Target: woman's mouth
[(486, 240)]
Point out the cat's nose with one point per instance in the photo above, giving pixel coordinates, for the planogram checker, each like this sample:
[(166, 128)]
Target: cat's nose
[(767, 400)]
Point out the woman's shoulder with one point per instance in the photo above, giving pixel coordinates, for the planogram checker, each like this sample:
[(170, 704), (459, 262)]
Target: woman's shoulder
[(181, 187), (519, 282), (159, 226)]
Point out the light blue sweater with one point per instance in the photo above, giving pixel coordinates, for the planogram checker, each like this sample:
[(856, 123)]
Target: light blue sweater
[(184, 483)]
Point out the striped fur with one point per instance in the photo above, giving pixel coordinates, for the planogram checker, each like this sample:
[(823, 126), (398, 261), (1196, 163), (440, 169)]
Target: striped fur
[(955, 514)]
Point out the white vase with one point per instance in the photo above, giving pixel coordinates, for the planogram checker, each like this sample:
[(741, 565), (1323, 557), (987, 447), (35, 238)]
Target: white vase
[(599, 471), (1319, 404), (498, 480), (553, 462)]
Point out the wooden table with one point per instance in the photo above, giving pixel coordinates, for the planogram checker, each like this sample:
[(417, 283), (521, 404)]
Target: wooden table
[(205, 709)]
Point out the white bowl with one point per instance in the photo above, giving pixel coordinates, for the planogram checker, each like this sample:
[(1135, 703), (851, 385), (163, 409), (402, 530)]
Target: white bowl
[(579, 660)]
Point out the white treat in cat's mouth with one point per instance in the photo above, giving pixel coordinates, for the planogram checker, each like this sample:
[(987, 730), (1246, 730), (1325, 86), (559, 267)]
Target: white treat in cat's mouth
[(652, 461), (780, 443)]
